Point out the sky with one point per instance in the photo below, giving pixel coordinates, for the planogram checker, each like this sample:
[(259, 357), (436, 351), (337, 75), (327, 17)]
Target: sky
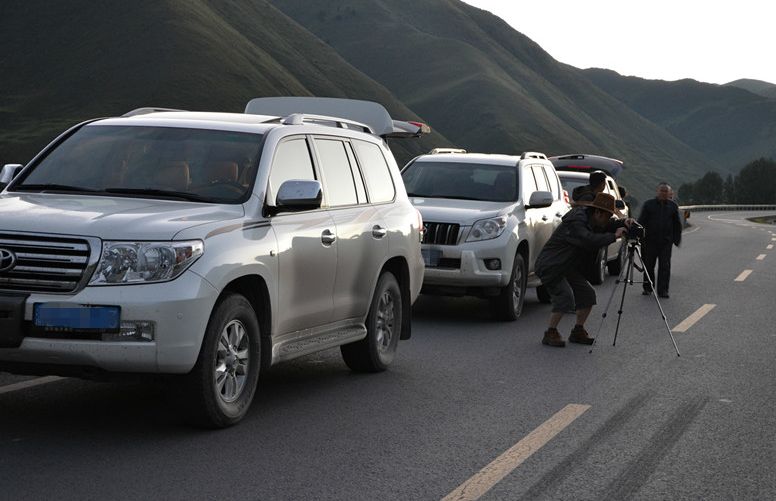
[(713, 41)]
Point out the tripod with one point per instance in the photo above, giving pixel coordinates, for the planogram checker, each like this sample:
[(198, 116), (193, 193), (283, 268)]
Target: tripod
[(627, 273)]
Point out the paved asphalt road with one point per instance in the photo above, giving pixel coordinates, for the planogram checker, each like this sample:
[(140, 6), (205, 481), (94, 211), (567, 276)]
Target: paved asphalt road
[(461, 393)]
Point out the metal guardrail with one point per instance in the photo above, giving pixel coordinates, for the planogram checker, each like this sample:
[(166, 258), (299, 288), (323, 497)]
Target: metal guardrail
[(701, 208)]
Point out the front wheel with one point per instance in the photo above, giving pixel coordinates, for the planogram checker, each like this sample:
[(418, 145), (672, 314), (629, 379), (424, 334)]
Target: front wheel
[(376, 351), (599, 267), (508, 304), (614, 267), (222, 384)]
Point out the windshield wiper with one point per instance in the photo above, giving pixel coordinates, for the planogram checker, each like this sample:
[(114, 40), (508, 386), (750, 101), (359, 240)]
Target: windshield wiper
[(182, 195), (53, 187)]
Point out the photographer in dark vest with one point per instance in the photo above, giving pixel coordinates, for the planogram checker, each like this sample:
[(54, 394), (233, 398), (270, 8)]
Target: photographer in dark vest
[(562, 261)]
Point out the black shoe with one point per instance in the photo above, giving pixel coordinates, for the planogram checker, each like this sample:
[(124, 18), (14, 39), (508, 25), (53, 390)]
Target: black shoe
[(646, 293), (663, 294)]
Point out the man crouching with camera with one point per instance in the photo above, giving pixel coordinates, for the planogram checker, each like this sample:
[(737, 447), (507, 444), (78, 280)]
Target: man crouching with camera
[(561, 263)]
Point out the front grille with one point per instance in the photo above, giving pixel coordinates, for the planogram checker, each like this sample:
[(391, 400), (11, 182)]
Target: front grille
[(44, 263), (441, 233)]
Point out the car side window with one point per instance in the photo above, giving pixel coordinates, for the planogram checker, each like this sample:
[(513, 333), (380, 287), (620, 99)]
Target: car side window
[(529, 181), (336, 172), (379, 182), (292, 161), (359, 180), (541, 179), (552, 180)]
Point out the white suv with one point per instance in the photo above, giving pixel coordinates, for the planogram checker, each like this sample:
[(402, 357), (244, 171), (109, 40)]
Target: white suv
[(211, 245), (486, 217)]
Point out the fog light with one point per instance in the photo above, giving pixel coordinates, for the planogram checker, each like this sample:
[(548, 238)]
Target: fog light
[(141, 330), (493, 264)]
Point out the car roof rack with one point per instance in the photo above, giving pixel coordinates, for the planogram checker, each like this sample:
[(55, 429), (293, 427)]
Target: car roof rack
[(146, 111), (439, 151), (533, 154), (339, 112)]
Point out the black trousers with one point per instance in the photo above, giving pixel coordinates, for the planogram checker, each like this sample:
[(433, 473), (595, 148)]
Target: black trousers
[(660, 253)]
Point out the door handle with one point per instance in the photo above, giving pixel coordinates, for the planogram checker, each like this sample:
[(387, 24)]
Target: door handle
[(558, 214), (327, 237), (545, 218), (378, 231)]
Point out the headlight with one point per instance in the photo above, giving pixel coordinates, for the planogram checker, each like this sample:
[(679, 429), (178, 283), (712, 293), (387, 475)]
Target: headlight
[(486, 229), (144, 262)]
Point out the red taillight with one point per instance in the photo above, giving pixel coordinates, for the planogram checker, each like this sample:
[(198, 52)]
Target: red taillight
[(578, 167), (422, 128)]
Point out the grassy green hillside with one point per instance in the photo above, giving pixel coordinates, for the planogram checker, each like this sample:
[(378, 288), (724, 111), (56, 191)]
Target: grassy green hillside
[(765, 89), (730, 123), (63, 62), (489, 88)]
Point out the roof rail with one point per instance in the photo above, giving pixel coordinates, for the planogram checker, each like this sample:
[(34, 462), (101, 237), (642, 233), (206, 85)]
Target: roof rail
[(145, 111), (438, 151), (300, 118), (533, 154)]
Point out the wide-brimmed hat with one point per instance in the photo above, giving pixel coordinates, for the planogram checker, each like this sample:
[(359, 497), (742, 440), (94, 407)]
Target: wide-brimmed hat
[(603, 201)]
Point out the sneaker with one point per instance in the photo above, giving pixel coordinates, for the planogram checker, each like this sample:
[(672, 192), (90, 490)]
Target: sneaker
[(552, 338), (663, 294), (580, 336)]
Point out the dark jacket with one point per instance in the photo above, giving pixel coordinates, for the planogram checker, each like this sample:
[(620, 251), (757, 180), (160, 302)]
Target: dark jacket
[(583, 193), (571, 244), (661, 222)]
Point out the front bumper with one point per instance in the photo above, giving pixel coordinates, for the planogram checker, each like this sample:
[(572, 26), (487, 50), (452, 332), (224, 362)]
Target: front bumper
[(464, 266), (179, 309)]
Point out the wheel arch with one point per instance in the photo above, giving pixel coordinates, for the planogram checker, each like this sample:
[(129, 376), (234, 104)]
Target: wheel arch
[(400, 269), (254, 289)]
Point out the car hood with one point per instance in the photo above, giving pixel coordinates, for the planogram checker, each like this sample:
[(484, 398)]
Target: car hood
[(463, 212), (109, 218)]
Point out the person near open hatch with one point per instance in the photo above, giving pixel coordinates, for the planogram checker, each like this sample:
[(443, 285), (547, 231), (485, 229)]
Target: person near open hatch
[(560, 265), (587, 192), (662, 230)]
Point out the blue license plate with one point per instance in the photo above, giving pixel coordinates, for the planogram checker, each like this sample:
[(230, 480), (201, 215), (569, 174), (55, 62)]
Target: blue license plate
[(73, 317), (431, 257)]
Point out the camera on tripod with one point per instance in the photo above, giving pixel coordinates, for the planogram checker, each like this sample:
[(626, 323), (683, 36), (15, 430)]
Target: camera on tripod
[(635, 232)]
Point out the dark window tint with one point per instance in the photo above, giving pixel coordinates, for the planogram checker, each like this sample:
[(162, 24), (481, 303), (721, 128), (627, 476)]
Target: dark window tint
[(552, 180), (360, 189), (459, 180), (379, 183), (530, 182), (292, 161), (337, 174)]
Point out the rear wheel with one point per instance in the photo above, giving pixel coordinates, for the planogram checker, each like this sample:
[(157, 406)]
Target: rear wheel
[(614, 267), (599, 271), (376, 351), (508, 304), (222, 384)]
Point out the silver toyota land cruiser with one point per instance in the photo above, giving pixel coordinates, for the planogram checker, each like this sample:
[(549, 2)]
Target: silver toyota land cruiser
[(210, 245)]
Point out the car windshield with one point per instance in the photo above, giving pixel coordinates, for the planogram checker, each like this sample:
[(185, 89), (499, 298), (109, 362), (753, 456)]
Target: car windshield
[(159, 162), (569, 183), (459, 180)]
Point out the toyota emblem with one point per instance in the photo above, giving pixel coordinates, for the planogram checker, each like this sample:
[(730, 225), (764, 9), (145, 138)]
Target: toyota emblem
[(7, 260)]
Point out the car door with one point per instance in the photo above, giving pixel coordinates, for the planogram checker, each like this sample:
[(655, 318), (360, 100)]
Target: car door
[(546, 215), (361, 235), (307, 257)]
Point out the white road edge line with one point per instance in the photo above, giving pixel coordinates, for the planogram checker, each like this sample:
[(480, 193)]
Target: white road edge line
[(761, 257), (503, 465), (692, 319), (29, 384), (743, 275)]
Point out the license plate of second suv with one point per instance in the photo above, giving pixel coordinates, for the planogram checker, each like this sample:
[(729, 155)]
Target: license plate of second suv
[(431, 257)]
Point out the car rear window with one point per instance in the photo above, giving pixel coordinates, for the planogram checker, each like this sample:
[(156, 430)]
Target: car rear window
[(459, 180)]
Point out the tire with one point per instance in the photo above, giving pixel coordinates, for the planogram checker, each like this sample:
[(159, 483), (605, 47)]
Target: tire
[(614, 267), (223, 382), (509, 303), (542, 295), (599, 273), (377, 350)]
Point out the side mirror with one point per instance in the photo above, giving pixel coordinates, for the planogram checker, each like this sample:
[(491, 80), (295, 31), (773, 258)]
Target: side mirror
[(540, 199), (297, 195), (7, 174), (619, 204)]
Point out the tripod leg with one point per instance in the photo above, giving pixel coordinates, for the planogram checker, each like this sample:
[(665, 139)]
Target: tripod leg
[(620, 279), (628, 280), (660, 307)]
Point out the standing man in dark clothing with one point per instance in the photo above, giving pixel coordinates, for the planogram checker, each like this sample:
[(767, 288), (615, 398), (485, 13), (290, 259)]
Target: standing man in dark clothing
[(560, 264), (663, 229)]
